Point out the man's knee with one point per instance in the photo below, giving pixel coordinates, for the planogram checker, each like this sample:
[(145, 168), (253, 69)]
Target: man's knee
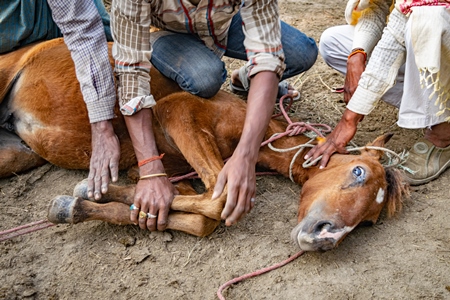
[(300, 51), (335, 45), (203, 84), (325, 44)]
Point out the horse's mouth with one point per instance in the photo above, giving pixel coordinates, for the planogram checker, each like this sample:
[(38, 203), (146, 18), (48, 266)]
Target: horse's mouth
[(325, 239)]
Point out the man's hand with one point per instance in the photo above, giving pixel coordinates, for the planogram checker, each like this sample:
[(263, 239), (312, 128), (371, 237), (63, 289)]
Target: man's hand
[(154, 197), (356, 65), (104, 160), (239, 172), (337, 140)]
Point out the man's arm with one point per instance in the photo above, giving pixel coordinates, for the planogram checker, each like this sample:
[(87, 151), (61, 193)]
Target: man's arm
[(239, 171), (265, 68), (153, 195), (380, 74), (368, 31), (84, 35), (132, 53)]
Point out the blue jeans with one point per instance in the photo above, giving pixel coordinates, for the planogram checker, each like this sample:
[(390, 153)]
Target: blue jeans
[(185, 59)]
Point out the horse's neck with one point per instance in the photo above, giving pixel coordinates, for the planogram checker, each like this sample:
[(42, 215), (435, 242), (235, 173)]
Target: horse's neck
[(280, 161)]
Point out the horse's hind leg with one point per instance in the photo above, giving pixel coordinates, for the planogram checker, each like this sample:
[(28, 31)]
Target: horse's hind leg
[(73, 210), (15, 155)]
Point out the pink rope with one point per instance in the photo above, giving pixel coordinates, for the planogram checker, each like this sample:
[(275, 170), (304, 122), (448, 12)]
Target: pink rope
[(24, 229), (256, 273), (296, 128)]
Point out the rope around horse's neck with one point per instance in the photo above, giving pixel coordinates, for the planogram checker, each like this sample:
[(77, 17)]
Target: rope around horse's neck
[(309, 162), (296, 128)]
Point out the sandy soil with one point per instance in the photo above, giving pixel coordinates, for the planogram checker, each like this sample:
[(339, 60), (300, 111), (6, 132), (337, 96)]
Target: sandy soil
[(406, 257)]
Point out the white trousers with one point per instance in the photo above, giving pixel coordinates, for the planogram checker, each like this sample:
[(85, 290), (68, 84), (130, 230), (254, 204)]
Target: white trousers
[(416, 110)]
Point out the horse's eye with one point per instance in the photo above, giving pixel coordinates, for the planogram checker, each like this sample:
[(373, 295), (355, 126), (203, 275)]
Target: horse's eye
[(359, 173)]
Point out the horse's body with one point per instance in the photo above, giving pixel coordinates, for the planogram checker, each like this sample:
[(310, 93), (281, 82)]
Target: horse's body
[(41, 103)]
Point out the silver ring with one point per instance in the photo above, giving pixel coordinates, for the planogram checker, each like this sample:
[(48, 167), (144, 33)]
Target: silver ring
[(150, 216), (252, 200), (134, 207)]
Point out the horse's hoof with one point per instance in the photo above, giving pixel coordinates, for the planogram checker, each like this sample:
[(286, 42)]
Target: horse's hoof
[(81, 190), (61, 210)]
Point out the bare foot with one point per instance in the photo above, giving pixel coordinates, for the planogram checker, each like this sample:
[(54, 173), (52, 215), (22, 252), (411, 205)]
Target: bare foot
[(439, 134)]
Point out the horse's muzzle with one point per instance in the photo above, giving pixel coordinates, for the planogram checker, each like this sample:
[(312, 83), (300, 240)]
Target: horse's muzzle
[(320, 235)]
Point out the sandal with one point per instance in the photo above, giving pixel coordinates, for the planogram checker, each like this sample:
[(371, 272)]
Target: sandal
[(283, 86)]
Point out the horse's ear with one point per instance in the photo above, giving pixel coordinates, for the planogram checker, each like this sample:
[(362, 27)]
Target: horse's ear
[(378, 142)]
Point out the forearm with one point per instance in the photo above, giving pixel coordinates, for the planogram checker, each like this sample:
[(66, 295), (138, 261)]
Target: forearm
[(142, 137), (132, 53), (84, 35), (382, 68), (370, 25), (260, 103)]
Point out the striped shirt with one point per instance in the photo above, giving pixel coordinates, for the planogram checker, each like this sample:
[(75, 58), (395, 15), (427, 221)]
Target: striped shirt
[(209, 20), (84, 35)]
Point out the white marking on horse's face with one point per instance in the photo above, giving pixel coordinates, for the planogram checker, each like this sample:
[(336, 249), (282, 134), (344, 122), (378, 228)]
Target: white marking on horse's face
[(380, 196)]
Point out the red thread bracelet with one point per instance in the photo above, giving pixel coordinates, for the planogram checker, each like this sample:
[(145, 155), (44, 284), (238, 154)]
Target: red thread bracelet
[(146, 161)]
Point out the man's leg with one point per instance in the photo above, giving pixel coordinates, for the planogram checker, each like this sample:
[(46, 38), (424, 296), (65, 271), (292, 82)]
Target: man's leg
[(430, 156), (300, 50), (335, 45), (186, 60), (23, 22)]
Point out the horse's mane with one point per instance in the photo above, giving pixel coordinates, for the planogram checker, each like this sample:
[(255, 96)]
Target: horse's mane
[(397, 189)]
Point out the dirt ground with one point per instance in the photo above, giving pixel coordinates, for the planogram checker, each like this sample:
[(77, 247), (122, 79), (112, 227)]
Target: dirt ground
[(405, 257)]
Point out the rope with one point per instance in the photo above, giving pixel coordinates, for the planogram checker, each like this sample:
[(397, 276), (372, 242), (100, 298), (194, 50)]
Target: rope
[(296, 128), (256, 273), (24, 229), (301, 128)]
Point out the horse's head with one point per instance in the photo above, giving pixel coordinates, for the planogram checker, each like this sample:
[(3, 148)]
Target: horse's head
[(351, 190)]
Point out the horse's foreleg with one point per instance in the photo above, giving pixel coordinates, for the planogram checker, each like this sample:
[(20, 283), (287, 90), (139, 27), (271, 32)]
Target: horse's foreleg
[(124, 194), (116, 193), (192, 203), (73, 210)]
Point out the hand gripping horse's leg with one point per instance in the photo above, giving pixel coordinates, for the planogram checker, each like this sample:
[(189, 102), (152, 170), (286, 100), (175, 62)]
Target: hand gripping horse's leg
[(197, 204), (73, 210)]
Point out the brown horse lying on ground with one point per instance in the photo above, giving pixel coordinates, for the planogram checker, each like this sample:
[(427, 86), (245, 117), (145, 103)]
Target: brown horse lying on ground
[(41, 104)]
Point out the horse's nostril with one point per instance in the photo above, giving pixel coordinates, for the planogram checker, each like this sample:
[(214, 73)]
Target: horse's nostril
[(321, 225)]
